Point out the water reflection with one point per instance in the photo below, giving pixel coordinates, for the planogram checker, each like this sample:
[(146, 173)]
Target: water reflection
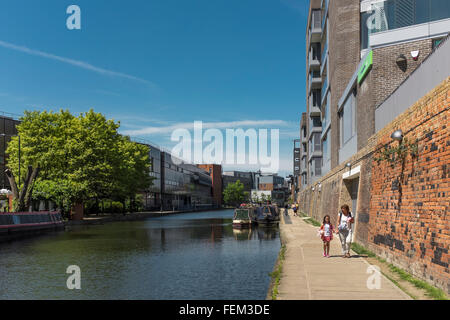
[(255, 232), (188, 256)]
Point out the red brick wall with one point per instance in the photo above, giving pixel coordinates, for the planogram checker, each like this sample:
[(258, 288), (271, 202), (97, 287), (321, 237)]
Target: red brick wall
[(266, 186), (409, 221)]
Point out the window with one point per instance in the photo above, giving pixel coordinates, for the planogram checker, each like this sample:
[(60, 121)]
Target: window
[(316, 50), (318, 166), (315, 122), (317, 145), (326, 148), (394, 14), (347, 118), (316, 97), (151, 165), (326, 115)]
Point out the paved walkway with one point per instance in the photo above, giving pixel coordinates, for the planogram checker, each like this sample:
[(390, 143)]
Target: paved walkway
[(307, 275)]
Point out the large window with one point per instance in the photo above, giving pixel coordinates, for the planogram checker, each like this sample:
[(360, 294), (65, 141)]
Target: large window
[(326, 148), (316, 97), (317, 145), (394, 14), (347, 118)]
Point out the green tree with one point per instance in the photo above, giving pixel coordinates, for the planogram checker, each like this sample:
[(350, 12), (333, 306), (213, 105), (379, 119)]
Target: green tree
[(234, 194), (79, 158)]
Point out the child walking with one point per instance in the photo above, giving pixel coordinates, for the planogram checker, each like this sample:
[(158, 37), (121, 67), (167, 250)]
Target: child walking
[(326, 232)]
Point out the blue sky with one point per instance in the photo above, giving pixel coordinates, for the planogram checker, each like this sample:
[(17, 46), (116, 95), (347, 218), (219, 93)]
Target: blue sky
[(155, 65)]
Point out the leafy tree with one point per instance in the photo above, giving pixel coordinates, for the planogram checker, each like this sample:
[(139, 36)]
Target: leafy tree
[(263, 198), (79, 158), (234, 194)]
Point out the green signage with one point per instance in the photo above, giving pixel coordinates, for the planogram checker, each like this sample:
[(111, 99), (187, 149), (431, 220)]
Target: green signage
[(365, 68)]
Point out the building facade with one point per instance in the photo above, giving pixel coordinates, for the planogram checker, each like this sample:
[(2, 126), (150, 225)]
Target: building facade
[(358, 53), (246, 178), (215, 172), (383, 67), (8, 124), (177, 185)]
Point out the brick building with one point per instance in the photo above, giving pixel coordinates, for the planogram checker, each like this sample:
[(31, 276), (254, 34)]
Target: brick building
[(358, 52), (400, 198), (215, 171), (380, 61)]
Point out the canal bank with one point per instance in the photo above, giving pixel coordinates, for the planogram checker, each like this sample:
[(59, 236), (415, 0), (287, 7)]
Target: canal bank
[(134, 216), (307, 275)]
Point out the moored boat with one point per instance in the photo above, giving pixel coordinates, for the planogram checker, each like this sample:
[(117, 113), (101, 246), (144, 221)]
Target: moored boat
[(267, 215), (13, 225), (242, 217)]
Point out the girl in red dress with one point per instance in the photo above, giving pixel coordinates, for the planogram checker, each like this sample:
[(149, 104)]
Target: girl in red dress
[(326, 232)]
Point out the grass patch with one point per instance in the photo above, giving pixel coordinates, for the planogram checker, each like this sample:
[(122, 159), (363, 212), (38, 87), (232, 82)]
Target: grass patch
[(431, 291), (311, 221), (359, 249), (276, 274)]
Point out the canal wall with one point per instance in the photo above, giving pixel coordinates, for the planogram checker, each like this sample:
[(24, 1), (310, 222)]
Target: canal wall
[(135, 216), (401, 202)]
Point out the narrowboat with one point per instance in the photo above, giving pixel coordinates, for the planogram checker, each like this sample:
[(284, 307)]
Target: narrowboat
[(267, 215), (15, 225), (242, 217)]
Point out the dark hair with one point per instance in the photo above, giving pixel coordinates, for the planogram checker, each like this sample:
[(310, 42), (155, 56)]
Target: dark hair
[(324, 219), (344, 206)]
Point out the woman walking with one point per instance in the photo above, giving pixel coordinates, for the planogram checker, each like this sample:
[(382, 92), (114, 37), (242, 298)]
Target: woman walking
[(345, 230)]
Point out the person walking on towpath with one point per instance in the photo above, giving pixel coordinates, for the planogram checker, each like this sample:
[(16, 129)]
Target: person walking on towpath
[(345, 229), (326, 234), (294, 208)]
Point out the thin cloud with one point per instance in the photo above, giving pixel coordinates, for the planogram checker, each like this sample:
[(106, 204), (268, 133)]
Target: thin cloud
[(206, 125), (76, 63), (298, 5)]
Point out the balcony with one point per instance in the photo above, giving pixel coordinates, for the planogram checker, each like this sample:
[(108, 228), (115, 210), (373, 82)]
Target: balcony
[(315, 126), (315, 30), (314, 103), (304, 139), (315, 81), (303, 168), (313, 59)]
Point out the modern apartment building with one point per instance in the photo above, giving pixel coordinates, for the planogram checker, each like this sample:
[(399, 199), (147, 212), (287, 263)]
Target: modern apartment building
[(303, 152), (297, 165), (314, 89), (358, 53)]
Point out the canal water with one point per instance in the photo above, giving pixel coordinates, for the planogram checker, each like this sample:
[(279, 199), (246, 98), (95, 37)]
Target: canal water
[(184, 256)]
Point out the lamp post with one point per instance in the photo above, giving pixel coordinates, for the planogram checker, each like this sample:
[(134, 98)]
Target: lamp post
[(397, 135), (13, 135)]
